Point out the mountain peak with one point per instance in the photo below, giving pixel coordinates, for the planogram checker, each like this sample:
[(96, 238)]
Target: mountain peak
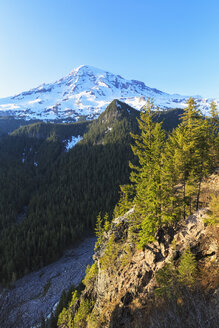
[(86, 92), (87, 68)]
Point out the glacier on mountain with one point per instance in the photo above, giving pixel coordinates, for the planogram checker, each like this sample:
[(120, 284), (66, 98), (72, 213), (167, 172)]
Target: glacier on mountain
[(86, 92)]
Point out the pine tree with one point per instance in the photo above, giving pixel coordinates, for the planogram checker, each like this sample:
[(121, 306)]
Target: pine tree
[(213, 110), (214, 135), (187, 268), (66, 317), (102, 225), (107, 224), (99, 226), (147, 175), (127, 194), (172, 208), (189, 148)]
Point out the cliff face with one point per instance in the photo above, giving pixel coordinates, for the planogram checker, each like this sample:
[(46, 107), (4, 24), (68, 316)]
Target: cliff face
[(122, 286), (123, 291)]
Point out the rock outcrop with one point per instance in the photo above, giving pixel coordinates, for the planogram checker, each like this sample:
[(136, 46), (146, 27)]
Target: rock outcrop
[(124, 287)]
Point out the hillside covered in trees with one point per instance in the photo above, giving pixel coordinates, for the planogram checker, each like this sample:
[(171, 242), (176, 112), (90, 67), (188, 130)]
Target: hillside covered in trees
[(50, 197), (156, 263)]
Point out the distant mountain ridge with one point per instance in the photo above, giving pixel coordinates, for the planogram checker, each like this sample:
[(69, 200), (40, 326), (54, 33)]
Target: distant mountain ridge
[(85, 93)]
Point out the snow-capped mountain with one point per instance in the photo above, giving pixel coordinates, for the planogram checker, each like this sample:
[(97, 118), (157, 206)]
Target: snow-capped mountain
[(86, 91)]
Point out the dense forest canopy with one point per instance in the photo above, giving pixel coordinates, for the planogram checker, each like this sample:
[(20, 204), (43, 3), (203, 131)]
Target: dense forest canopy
[(50, 197)]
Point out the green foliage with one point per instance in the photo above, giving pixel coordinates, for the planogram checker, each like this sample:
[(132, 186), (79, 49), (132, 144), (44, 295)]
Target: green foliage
[(67, 298), (214, 135), (171, 279), (148, 229), (192, 154), (213, 213), (8, 124), (147, 175), (166, 181), (50, 197), (52, 131), (82, 316), (99, 227), (187, 268), (91, 274), (65, 318), (127, 255), (113, 125), (93, 319), (108, 260), (167, 280), (75, 314), (45, 208), (107, 223), (127, 194), (102, 225)]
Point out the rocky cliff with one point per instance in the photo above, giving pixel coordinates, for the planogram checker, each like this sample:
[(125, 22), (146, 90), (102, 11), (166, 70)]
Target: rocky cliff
[(122, 286), (122, 292)]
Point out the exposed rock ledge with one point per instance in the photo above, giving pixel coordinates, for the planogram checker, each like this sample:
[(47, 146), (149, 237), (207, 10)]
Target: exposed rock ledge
[(121, 290)]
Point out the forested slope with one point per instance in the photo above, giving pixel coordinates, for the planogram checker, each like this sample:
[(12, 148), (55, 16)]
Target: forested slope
[(156, 263), (50, 197)]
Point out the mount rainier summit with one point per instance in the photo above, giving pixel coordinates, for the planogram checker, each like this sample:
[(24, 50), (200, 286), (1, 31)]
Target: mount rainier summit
[(86, 92)]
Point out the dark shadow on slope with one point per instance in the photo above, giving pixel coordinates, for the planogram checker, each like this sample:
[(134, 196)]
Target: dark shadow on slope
[(193, 309)]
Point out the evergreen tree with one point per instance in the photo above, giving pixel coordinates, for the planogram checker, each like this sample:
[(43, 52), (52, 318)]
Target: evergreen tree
[(214, 136), (99, 226), (189, 152), (187, 268), (147, 176), (127, 194), (66, 316), (166, 182)]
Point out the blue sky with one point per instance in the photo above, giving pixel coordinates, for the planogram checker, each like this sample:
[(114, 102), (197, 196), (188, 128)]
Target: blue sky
[(170, 45)]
